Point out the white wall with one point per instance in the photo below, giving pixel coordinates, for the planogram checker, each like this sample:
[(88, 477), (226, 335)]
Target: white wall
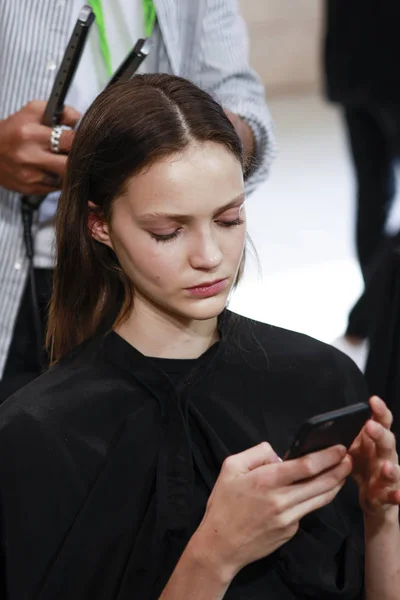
[(285, 39)]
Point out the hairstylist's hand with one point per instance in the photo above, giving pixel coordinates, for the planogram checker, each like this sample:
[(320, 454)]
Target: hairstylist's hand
[(246, 135), (257, 502), (375, 462), (27, 164)]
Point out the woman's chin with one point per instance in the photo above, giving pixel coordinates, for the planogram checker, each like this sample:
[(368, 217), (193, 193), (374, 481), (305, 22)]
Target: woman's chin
[(204, 308)]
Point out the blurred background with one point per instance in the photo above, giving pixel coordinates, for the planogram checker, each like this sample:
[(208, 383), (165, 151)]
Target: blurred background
[(302, 219)]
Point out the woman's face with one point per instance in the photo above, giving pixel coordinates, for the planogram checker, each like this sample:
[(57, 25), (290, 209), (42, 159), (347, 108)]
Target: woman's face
[(179, 232)]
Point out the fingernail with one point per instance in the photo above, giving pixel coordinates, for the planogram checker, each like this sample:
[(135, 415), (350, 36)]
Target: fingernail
[(378, 398)]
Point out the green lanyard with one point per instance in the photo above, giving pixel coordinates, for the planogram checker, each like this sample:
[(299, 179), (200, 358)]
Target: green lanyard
[(149, 12)]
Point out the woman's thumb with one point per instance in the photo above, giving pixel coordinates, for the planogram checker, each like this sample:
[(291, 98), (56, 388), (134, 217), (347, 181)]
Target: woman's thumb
[(257, 456)]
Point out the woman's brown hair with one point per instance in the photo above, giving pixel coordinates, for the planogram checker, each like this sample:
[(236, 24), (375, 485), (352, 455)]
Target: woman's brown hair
[(127, 128)]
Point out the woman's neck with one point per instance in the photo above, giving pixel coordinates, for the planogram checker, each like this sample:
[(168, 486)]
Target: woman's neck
[(160, 335)]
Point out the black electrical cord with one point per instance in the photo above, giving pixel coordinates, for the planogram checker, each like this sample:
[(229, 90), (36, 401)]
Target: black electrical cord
[(27, 212)]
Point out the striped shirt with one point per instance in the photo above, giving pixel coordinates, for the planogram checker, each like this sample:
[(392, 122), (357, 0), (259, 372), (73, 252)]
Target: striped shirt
[(202, 40)]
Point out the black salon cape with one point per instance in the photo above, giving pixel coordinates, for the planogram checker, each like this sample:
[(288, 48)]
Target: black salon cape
[(105, 467)]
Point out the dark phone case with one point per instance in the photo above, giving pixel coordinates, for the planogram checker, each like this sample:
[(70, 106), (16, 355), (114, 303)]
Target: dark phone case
[(329, 429)]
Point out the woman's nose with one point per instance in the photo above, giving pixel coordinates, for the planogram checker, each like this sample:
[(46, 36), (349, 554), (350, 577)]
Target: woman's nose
[(206, 253)]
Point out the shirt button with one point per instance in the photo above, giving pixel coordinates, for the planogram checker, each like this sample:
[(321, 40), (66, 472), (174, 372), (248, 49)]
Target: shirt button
[(18, 265), (51, 65)]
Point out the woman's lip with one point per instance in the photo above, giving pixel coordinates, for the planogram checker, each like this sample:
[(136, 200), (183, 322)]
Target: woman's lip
[(205, 285), (208, 289)]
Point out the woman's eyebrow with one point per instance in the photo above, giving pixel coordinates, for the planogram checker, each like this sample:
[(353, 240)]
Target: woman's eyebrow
[(238, 201), (185, 218)]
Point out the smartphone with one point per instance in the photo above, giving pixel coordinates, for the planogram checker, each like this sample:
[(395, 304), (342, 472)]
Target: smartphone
[(329, 429)]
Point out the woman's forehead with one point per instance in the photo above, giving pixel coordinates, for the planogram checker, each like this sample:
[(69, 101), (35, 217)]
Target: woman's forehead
[(205, 176)]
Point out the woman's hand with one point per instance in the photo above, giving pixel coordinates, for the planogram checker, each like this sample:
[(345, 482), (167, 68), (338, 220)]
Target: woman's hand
[(375, 462), (258, 501)]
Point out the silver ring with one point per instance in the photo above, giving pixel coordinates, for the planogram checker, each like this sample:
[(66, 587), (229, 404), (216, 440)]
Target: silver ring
[(55, 139)]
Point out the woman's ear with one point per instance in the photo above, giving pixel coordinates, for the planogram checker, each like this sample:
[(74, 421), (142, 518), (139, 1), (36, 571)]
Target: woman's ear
[(98, 227)]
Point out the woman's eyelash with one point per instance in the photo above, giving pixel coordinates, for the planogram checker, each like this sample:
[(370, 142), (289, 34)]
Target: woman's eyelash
[(237, 221), (168, 237)]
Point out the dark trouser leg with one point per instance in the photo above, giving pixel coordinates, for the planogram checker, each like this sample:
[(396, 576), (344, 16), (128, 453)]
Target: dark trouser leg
[(373, 158), (22, 363)]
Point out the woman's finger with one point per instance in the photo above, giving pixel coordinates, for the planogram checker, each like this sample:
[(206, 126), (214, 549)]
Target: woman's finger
[(368, 450), (251, 459), (299, 511), (390, 472), (386, 496), (393, 497), (310, 465), (380, 411), (385, 442), (298, 493)]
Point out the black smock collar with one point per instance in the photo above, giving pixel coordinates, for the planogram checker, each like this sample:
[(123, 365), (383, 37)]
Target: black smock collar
[(127, 357)]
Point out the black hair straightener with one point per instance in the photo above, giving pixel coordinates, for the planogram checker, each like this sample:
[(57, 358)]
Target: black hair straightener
[(64, 77), (132, 62)]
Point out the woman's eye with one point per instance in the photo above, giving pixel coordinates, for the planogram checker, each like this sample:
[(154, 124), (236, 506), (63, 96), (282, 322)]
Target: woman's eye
[(168, 237), (164, 237), (233, 223)]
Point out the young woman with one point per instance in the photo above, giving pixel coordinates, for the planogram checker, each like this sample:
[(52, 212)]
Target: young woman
[(145, 463)]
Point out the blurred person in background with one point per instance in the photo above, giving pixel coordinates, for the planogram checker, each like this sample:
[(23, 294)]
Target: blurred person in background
[(362, 76), (203, 40)]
